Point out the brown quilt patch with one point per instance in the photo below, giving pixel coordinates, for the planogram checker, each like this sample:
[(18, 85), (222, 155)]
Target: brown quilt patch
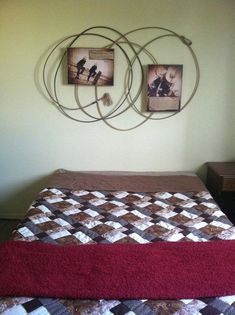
[(164, 307), (62, 205), (156, 230), (212, 230), (48, 226), (130, 217), (154, 207), (81, 216), (70, 239), (102, 229), (180, 218), (107, 206)]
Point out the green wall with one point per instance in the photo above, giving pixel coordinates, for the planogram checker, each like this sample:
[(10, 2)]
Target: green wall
[(36, 139)]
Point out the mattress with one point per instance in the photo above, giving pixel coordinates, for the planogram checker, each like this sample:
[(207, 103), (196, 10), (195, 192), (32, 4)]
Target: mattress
[(113, 208)]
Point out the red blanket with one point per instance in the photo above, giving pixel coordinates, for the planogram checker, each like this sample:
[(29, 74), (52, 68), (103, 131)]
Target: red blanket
[(164, 270)]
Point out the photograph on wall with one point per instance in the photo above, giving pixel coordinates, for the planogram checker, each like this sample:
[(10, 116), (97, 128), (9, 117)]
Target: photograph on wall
[(90, 66), (164, 87)]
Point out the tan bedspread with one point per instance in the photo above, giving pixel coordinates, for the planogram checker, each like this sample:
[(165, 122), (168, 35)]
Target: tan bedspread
[(128, 181)]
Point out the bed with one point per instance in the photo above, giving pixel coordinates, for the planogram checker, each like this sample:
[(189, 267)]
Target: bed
[(113, 208)]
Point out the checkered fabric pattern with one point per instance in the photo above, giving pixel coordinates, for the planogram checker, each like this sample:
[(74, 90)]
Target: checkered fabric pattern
[(64, 216)]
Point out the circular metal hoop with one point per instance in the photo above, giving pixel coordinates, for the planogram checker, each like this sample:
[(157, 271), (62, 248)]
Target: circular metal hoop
[(127, 100)]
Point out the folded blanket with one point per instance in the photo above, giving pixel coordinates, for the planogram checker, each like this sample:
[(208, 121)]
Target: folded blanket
[(163, 270)]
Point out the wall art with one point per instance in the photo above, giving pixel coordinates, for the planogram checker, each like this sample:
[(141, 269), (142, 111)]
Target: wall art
[(164, 86), (90, 66)]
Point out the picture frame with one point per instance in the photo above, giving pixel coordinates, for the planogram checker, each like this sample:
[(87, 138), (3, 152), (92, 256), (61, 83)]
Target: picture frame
[(164, 87), (90, 66)]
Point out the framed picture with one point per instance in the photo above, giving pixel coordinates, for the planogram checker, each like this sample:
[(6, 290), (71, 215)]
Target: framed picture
[(164, 87), (90, 66)]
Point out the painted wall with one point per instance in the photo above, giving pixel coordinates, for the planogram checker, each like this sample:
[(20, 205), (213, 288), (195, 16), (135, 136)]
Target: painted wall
[(36, 139)]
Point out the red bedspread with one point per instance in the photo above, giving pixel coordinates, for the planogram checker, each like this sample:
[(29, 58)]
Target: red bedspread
[(164, 270)]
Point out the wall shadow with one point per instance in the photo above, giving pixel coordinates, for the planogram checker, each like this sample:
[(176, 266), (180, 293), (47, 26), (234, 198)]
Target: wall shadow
[(16, 205), (202, 172)]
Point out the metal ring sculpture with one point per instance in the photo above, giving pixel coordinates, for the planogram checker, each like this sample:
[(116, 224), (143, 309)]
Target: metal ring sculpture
[(126, 101)]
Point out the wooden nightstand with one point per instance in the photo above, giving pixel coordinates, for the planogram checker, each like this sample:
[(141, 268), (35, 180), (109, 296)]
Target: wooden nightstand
[(221, 177), (221, 183)]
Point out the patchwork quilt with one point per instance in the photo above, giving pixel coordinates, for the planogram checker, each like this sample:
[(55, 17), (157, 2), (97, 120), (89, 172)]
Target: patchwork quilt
[(82, 216)]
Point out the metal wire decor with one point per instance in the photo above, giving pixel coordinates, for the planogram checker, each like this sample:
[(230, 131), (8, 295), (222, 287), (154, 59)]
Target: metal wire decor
[(127, 101)]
